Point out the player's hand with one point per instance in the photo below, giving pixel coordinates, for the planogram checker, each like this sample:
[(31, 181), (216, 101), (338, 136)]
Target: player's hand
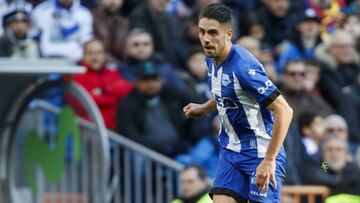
[(194, 110), (264, 173)]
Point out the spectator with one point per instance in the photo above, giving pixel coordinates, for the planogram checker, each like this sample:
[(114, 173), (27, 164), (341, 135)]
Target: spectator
[(351, 24), (16, 43), (312, 76), (337, 77), (190, 38), (292, 145), (152, 16), (104, 85), (312, 130), (111, 28), (336, 126), (329, 12), (194, 186), (64, 27), (196, 75), (303, 41), (151, 104), (139, 48), (294, 91), (342, 175), (6, 6), (252, 44), (277, 22), (339, 51)]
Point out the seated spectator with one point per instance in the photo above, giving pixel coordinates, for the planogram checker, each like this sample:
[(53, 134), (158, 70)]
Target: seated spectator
[(139, 48), (351, 24), (293, 147), (194, 186), (303, 41), (105, 85), (111, 28), (339, 75), (16, 43), (312, 76), (151, 16), (336, 126), (294, 91), (312, 130), (196, 75), (7, 6), (329, 12), (342, 176), (252, 44), (277, 22), (152, 113), (338, 52), (64, 27), (189, 38)]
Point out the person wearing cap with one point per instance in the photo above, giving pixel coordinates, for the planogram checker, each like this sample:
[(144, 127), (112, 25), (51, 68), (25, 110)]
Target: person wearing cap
[(15, 42), (152, 113), (302, 44)]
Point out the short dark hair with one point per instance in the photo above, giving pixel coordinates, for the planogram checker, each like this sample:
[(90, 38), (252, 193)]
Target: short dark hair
[(306, 119), (218, 12), (292, 61), (200, 171)]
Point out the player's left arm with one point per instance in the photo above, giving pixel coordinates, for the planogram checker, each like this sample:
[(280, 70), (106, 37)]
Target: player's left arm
[(282, 113)]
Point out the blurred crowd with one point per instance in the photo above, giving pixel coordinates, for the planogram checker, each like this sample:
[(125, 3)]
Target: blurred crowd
[(144, 63)]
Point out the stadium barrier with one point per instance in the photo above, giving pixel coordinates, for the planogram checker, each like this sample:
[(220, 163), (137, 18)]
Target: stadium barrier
[(295, 194)]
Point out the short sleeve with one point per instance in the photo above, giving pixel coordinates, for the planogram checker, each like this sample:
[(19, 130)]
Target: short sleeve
[(254, 80)]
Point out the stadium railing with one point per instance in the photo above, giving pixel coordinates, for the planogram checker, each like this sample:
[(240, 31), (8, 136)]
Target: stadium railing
[(100, 167), (295, 194)]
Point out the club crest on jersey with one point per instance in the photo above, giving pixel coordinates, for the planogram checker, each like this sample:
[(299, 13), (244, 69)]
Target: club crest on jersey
[(225, 81), (251, 72)]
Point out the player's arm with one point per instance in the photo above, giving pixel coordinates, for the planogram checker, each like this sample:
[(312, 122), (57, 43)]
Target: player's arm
[(282, 113), (282, 118), (193, 110)]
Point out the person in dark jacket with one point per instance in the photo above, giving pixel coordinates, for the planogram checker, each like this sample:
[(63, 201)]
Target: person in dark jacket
[(110, 27), (152, 16), (152, 113), (293, 90), (341, 175)]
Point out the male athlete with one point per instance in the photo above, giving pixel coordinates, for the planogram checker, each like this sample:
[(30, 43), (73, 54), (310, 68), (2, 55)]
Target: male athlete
[(254, 116)]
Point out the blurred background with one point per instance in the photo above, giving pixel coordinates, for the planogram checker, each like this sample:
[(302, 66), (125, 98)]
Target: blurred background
[(94, 90)]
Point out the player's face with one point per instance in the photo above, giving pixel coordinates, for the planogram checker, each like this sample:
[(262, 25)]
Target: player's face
[(213, 36)]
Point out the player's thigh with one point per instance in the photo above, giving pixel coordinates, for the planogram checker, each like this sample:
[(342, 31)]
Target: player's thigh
[(230, 181), (226, 199)]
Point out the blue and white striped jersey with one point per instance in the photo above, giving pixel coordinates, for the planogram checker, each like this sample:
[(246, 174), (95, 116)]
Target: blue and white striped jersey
[(242, 91)]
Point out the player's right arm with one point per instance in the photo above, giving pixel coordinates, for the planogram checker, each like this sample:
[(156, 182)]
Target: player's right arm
[(193, 110)]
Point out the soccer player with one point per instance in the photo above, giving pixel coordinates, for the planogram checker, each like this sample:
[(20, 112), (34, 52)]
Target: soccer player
[(254, 116)]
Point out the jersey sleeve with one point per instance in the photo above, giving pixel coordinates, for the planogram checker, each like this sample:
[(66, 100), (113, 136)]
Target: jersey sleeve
[(254, 80)]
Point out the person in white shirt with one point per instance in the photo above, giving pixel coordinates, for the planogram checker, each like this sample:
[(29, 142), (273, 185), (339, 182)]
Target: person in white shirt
[(64, 26)]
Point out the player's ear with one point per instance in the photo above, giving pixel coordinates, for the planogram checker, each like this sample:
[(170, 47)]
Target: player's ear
[(229, 33)]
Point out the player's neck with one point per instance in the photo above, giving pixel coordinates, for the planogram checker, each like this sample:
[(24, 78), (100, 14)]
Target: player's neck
[(222, 57)]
